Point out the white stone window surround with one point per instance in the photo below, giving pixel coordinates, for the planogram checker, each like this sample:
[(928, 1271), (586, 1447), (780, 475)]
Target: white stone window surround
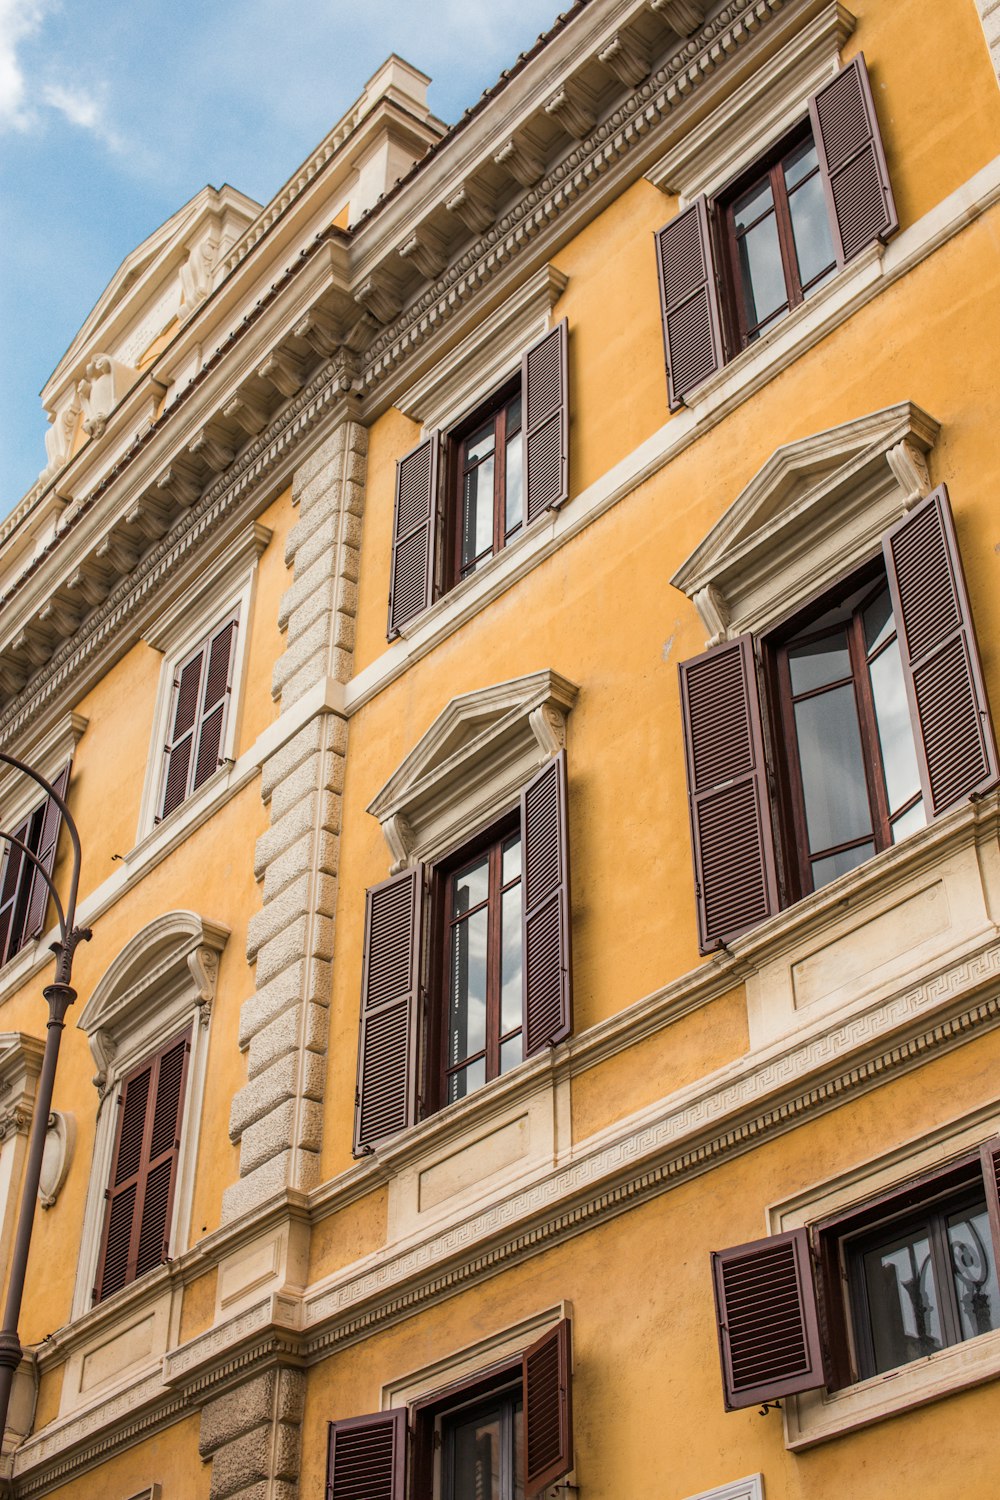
[(465, 773), (162, 982), (815, 1416), (227, 586), (47, 750), (751, 1488)]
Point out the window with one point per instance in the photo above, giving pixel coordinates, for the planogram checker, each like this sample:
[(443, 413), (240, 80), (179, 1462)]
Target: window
[(502, 468), (24, 894), (497, 977), (904, 1277), (778, 238), (481, 917), (730, 267), (505, 1433), (199, 709), (878, 717), (143, 1168), (853, 777)]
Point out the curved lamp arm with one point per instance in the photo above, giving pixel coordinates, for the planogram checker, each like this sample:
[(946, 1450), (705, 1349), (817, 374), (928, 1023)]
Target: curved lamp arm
[(43, 872)]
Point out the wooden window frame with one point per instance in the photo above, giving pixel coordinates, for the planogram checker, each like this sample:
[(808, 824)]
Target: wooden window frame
[(494, 409), (789, 798), (493, 1383), (491, 840), (203, 712), (838, 1241), (766, 168)]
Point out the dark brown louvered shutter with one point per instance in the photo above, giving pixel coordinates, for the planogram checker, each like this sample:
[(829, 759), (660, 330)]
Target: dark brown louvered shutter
[(367, 1457), (546, 967), (182, 733), (386, 1100), (15, 875), (731, 837), (414, 535), (955, 745), (220, 656), (765, 1304), (990, 1162), (547, 1371), (689, 301), (143, 1169), (545, 384), (852, 161), (48, 839)]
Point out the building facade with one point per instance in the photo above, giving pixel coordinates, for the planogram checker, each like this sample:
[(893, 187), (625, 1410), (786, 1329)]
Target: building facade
[(512, 619)]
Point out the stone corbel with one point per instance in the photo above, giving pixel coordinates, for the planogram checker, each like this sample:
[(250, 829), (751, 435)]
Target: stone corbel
[(15, 1120), (211, 450), (150, 516), (92, 583), (378, 297), (399, 837), (63, 615), (285, 371), (12, 676), (909, 466), (320, 331), (548, 724), (249, 411), (35, 643), (122, 554), (714, 611), (684, 16), (474, 205), (522, 160), (347, 366), (572, 108), (203, 964), (627, 58), (57, 1155), (427, 250), (105, 382), (180, 482)]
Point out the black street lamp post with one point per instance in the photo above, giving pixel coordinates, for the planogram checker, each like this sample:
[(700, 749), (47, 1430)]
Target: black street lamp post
[(60, 996)]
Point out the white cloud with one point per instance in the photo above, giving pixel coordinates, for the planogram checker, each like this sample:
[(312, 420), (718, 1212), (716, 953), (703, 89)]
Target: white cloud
[(22, 98), (19, 19)]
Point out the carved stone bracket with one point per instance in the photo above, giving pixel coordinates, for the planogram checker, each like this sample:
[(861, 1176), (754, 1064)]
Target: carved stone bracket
[(427, 250), (378, 297), (909, 465), (711, 605), (571, 108), (180, 482), (627, 58), (212, 450), (249, 411), (522, 159), (474, 205), (285, 371), (684, 16), (320, 330)]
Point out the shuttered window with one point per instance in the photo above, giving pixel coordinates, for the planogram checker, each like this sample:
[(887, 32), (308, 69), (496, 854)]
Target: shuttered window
[(140, 1193), (894, 1280), (24, 891), (199, 710), (548, 1409), (729, 269), (461, 500), (502, 985), (367, 1458)]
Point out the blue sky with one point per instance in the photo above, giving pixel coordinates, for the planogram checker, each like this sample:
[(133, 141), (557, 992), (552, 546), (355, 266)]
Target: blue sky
[(113, 115)]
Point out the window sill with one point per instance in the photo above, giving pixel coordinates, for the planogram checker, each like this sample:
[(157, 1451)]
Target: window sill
[(816, 1416)]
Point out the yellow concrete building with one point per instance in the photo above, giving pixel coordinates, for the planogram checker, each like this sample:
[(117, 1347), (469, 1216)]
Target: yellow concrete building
[(519, 614)]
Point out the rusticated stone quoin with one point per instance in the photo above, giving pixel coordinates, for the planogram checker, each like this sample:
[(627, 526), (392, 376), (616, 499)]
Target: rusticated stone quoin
[(276, 1117), (253, 1437)]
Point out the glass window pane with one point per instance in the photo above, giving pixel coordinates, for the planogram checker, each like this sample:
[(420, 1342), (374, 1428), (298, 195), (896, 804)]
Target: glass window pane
[(476, 1459), (480, 444), (510, 960), (477, 512), (833, 770), (511, 1053), (511, 860), (915, 817), (829, 868), (514, 415), (467, 1080), (879, 621), (974, 1271), (820, 662), (811, 230), (470, 887), (899, 756), (754, 203), (761, 272), (800, 162), (902, 1301), (514, 485), (467, 999)]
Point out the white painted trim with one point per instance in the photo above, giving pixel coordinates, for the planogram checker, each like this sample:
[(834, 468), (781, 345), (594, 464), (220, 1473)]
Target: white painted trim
[(751, 1488), (847, 292), (47, 751), (816, 1416), (743, 126), (226, 587), (162, 982), (493, 1349)]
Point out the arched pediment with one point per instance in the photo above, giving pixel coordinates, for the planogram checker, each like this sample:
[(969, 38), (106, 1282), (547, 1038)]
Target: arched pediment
[(166, 969)]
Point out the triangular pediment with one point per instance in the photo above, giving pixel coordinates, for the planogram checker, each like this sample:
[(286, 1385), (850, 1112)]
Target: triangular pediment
[(807, 494)]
